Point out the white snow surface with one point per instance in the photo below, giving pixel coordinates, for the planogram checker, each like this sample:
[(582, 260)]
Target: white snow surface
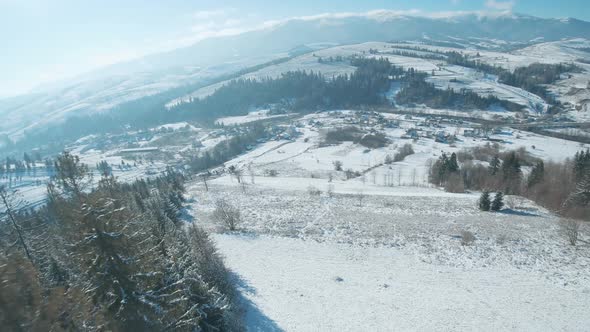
[(309, 286), (250, 117), (386, 255)]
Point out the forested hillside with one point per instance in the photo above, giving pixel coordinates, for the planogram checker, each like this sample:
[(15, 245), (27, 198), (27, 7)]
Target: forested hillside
[(115, 257)]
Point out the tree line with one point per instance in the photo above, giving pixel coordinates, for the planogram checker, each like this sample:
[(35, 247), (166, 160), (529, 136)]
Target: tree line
[(298, 91), (563, 187), (115, 256), (416, 90), (534, 77)]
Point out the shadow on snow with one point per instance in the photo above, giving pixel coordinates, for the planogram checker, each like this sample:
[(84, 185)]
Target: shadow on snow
[(254, 318)]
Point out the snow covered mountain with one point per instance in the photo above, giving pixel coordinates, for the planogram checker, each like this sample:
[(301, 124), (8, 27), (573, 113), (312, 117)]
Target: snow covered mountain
[(102, 89)]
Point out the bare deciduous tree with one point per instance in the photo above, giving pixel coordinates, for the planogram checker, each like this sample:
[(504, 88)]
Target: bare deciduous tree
[(11, 203), (227, 214), (571, 229), (360, 196), (205, 176), (330, 190)]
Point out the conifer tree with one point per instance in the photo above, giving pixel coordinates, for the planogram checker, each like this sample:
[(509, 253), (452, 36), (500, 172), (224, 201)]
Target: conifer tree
[(453, 166), (581, 164), (537, 174), (484, 201), (511, 173), (498, 202), (72, 177), (580, 197), (494, 165)]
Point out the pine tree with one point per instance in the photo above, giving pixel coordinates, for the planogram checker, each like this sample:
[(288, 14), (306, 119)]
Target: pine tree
[(580, 197), (498, 202), (11, 203), (537, 174), (511, 173), (581, 164), (453, 166), (72, 177), (494, 165), (484, 201)]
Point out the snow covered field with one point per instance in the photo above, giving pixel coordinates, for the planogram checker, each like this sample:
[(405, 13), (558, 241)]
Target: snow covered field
[(250, 117), (309, 286), (318, 252), (395, 261)]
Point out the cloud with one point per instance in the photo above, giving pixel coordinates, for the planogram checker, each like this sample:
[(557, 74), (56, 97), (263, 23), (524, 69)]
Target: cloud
[(500, 5), (229, 21), (213, 13)]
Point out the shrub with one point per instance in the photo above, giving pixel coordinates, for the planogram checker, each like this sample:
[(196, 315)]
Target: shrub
[(571, 229), (337, 165), (313, 191), (350, 174), (389, 159), (227, 214), (346, 134), (455, 184), (354, 134), (374, 141), (403, 152), (523, 156), (467, 238)]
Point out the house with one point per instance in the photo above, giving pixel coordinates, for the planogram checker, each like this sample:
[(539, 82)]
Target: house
[(411, 133), (469, 133), (139, 150), (440, 137)]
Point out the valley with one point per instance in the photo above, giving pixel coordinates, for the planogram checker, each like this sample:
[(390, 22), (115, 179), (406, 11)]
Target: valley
[(325, 173)]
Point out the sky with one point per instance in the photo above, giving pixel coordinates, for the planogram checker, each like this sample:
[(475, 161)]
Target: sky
[(49, 40)]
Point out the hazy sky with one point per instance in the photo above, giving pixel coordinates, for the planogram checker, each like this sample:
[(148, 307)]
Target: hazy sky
[(46, 40)]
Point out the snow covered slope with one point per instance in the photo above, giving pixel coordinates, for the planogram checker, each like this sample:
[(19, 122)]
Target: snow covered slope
[(112, 85), (309, 286)]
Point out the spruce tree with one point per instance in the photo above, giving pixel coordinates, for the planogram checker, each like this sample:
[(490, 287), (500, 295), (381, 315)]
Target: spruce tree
[(580, 197), (581, 164), (511, 173), (498, 202), (494, 165), (484, 201), (452, 165), (537, 174)]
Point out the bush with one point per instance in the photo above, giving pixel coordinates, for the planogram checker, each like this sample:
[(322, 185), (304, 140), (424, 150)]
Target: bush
[(475, 176), (389, 159), (346, 134), (403, 152), (350, 174), (455, 184), (227, 214), (523, 156), (483, 153), (467, 238), (374, 141), (337, 165), (571, 229), (354, 134), (313, 191)]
